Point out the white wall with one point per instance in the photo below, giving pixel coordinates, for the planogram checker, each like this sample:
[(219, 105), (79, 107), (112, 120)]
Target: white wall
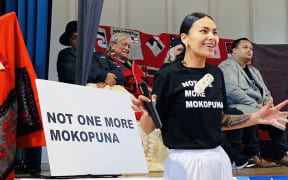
[(232, 18), (270, 21), (150, 16)]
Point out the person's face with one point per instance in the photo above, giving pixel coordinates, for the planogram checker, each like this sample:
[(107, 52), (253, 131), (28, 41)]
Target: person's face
[(122, 48), (73, 40), (244, 51), (202, 38)]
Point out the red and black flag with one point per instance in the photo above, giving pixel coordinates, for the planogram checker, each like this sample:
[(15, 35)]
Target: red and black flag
[(20, 119)]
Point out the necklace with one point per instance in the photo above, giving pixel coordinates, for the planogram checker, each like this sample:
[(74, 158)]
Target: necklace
[(184, 63)]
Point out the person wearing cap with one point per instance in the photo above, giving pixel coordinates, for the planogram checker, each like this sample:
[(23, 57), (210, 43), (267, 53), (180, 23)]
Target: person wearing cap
[(176, 47), (103, 71)]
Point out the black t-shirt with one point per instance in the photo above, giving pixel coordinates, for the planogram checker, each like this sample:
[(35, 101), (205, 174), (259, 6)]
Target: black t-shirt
[(190, 121)]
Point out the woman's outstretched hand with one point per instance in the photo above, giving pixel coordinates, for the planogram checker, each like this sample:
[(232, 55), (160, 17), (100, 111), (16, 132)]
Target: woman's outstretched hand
[(271, 115)]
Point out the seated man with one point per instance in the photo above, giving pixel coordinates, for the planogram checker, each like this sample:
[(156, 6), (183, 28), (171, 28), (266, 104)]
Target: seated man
[(103, 70), (247, 92)]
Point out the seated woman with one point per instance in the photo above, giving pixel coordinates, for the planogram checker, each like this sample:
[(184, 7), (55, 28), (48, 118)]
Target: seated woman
[(119, 48), (103, 70)]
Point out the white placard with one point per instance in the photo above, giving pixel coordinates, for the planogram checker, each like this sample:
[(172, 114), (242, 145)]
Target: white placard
[(89, 130)]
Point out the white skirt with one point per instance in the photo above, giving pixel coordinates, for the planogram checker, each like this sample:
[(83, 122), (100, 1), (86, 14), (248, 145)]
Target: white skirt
[(199, 164)]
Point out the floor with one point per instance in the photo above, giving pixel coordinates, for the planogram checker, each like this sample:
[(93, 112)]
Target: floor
[(272, 171)]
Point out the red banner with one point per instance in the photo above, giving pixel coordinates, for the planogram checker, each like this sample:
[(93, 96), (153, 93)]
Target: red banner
[(152, 49)]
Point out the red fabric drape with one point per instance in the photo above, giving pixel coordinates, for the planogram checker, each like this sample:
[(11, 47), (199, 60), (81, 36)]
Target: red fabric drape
[(14, 57)]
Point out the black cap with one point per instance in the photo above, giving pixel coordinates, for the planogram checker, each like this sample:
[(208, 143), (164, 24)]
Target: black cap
[(71, 27), (175, 41)]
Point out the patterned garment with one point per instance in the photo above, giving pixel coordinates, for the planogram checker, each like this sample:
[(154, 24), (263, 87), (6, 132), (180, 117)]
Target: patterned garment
[(155, 151), (132, 76), (19, 106)]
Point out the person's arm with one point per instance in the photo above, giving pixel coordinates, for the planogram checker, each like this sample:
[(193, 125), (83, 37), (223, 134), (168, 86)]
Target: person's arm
[(66, 64), (116, 69), (110, 79), (234, 92), (160, 89), (97, 72), (146, 122), (266, 115)]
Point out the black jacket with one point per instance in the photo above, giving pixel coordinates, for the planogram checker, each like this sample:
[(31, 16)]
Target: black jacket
[(100, 66)]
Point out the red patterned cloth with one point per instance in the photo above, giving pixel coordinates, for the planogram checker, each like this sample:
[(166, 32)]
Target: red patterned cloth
[(132, 77), (154, 48), (19, 104)]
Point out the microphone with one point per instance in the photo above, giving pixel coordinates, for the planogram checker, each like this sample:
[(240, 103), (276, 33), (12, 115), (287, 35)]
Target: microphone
[(150, 106)]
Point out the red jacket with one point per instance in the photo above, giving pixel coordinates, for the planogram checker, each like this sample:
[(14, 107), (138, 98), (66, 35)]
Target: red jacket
[(132, 76)]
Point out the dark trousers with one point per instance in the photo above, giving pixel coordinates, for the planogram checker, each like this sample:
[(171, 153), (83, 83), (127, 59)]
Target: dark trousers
[(232, 145), (234, 154), (30, 157), (249, 137)]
